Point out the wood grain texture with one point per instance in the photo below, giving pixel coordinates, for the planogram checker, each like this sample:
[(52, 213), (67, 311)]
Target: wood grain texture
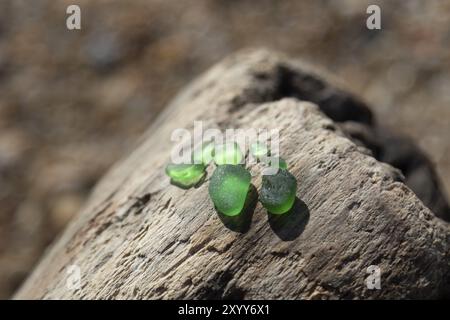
[(139, 237)]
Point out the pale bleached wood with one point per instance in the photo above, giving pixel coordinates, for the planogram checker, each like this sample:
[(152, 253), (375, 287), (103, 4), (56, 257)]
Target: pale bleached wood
[(138, 237)]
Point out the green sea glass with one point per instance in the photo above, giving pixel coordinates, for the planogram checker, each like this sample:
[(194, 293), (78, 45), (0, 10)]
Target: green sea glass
[(281, 162), (185, 175), (278, 192), (259, 150), (228, 153), (228, 188), (203, 154)]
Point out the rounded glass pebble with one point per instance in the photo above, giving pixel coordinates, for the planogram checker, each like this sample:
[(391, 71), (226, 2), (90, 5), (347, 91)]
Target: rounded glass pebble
[(228, 188), (203, 154), (278, 192), (259, 150), (185, 175), (229, 153), (278, 162)]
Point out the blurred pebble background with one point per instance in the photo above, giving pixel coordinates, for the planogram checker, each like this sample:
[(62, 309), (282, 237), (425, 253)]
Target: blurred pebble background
[(73, 102)]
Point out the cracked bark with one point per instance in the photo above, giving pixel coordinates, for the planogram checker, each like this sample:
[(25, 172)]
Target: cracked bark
[(139, 237)]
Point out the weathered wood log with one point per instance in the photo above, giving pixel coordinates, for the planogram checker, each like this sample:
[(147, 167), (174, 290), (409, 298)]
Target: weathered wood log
[(140, 237)]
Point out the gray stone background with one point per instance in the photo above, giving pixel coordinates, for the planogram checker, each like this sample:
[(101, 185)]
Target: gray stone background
[(73, 102)]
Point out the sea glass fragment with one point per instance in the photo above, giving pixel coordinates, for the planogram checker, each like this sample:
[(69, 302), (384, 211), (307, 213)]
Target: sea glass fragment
[(185, 175), (203, 154), (281, 162), (228, 188), (278, 192), (228, 153), (259, 150)]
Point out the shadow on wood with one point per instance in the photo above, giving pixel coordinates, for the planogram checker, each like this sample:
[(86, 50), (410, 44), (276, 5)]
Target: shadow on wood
[(290, 225)]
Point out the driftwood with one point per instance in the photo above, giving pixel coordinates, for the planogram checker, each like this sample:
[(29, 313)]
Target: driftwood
[(140, 237)]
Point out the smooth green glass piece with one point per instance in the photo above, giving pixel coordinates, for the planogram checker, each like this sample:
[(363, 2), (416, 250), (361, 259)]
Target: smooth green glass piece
[(185, 175), (203, 154), (229, 153), (259, 150), (281, 162), (278, 192), (228, 188)]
